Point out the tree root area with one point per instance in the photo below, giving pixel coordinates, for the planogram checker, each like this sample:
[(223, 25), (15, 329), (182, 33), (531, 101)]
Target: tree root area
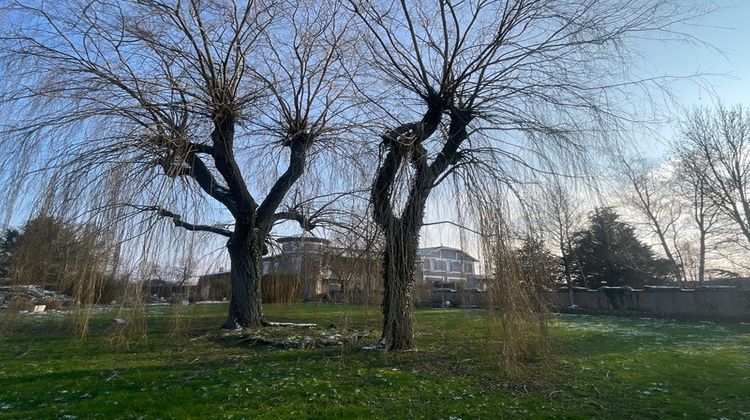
[(286, 335)]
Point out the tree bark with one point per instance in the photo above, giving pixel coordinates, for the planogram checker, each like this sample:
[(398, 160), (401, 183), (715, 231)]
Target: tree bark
[(675, 267), (245, 254), (702, 258), (399, 260), (568, 276), (402, 233)]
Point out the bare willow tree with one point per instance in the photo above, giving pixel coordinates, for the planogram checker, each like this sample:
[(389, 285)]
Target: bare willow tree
[(486, 84), (516, 270), (715, 148), (652, 195), (180, 110)]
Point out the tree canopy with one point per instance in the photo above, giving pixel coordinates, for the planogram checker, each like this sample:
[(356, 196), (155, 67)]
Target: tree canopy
[(537, 262), (49, 252), (207, 114), (609, 254), (8, 244)]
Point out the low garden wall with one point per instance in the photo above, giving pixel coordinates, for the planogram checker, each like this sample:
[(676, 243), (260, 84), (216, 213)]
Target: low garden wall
[(703, 303)]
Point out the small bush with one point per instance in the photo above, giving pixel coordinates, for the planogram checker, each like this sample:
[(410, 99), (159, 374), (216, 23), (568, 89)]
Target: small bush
[(19, 304)]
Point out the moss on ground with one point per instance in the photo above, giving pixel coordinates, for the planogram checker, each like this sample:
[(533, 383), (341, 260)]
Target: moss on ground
[(600, 367)]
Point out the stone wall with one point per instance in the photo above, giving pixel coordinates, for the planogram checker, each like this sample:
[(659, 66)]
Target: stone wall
[(704, 303)]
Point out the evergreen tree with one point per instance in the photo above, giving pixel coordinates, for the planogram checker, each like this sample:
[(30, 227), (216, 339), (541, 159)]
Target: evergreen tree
[(67, 257), (537, 263), (7, 247), (609, 254)]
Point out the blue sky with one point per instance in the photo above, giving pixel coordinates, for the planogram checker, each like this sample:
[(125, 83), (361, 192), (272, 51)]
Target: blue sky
[(725, 62), (728, 30), (720, 53)]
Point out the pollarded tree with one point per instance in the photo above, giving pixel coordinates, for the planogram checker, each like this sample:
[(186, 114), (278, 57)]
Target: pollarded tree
[(474, 88), (174, 109)]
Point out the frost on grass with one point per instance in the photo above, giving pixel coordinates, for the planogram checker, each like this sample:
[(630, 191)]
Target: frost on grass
[(650, 334), (291, 325)]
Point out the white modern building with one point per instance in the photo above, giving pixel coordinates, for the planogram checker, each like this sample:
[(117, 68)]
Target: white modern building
[(446, 268)]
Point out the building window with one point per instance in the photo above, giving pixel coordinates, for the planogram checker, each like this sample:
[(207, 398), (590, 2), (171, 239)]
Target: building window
[(440, 265), (449, 253), (469, 268), (433, 279), (456, 267)]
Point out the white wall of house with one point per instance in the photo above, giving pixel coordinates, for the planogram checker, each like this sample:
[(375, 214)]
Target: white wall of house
[(445, 267)]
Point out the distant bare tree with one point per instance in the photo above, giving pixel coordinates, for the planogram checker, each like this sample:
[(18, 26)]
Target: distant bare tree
[(562, 217), (156, 106), (690, 182), (715, 149), (650, 194), (475, 88)]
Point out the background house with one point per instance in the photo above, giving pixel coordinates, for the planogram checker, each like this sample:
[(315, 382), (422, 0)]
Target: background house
[(157, 289), (450, 269), (213, 286), (307, 268)]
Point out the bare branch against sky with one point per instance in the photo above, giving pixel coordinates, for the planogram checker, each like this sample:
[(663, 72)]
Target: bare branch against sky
[(176, 109), (484, 89), (208, 114)]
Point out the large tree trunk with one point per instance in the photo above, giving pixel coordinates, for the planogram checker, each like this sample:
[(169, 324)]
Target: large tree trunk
[(402, 233), (398, 281), (245, 254)]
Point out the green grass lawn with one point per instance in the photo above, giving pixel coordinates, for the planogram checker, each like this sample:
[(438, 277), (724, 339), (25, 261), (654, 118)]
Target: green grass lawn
[(600, 367)]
